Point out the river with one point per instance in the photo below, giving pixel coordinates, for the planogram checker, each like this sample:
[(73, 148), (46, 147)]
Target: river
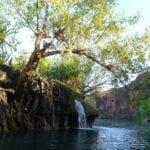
[(105, 135)]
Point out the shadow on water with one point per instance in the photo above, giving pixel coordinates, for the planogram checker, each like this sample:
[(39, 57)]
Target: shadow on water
[(56, 140), (103, 136)]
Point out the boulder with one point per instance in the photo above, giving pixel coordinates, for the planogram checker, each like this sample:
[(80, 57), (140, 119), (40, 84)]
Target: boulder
[(3, 109), (91, 113), (146, 121)]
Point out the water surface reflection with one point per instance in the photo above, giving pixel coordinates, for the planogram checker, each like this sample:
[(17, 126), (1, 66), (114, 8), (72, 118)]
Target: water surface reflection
[(111, 137)]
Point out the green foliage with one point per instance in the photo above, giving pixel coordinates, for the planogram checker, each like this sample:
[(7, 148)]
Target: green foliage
[(3, 30), (3, 34), (67, 69), (19, 63), (8, 42), (91, 25), (91, 100), (143, 111)]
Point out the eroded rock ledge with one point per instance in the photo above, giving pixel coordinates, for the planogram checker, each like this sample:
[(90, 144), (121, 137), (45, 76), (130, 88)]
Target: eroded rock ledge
[(37, 104)]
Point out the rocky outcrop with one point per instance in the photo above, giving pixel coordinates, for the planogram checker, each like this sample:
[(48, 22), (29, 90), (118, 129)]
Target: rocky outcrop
[(123, 102), (146, 121), (38, 103), (91, 113), (3, 109)]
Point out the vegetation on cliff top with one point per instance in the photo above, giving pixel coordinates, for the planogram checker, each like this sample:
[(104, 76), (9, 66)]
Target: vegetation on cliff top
[(92, 30), (130, 101)]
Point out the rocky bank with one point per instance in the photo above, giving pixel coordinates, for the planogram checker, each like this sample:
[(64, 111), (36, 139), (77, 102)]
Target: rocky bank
[(36, 104)]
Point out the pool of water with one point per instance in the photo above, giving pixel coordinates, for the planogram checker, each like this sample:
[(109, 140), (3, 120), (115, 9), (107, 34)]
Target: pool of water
[(105, 135)]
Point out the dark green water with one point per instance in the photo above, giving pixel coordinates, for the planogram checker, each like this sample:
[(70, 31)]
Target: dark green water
[(105, 135)]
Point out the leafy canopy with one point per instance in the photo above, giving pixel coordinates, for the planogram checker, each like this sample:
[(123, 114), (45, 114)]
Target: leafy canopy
[(91, 26), (68, 70), (8, 31)]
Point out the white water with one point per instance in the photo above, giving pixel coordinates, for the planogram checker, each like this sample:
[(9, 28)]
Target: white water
[(81, 114)]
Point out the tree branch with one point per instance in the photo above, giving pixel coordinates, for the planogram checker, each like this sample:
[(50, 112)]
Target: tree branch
[(37, 15), (104, 31), (110, 67), (83, 52), (91, 88), (44, 27), (45, 46), (26, 21), (13, 47), (97, 61), (50, 53)]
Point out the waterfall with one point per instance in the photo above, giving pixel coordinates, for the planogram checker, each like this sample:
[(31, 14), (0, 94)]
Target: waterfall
[(81, 114)]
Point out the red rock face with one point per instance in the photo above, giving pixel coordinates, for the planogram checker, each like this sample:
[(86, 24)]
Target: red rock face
[(124, 101), (113, 105)]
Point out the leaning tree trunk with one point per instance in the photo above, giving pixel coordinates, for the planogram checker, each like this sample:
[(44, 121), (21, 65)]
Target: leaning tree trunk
[(35, 102), (42, 104), (38, 103), (30, 66)]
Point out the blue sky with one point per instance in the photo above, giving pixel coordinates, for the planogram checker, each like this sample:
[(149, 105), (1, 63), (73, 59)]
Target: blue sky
[(128, 7), (131, 7)]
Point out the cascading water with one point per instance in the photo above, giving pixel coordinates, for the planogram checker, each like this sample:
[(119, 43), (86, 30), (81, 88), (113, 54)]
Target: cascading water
[(81, 114)]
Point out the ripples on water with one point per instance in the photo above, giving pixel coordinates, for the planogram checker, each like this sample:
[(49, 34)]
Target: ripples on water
[(105, 135)]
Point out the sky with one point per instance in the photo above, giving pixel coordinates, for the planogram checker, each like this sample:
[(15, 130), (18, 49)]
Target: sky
[(127, 7), (132, 7)]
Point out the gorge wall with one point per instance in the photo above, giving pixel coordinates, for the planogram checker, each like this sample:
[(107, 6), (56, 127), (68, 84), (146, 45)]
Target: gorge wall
[(124, 102), (37, 103)]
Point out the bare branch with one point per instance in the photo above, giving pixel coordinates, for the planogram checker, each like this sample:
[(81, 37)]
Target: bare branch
[(50, 53), (13, 47), (104, 31), (44, 27), (110, 67), (46, 46), (95, 60), (109, 24), (59, 35), (26, 21), (91, 88), (37, 15), (83, 52), (49, 36)]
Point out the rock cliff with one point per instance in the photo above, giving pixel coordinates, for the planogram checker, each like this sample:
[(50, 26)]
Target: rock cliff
[(123, 102), (38, 104)]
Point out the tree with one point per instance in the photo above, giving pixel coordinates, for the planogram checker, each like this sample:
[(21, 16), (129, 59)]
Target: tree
[(8, 42), (68, 70), (2, 39), (89, 29)]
